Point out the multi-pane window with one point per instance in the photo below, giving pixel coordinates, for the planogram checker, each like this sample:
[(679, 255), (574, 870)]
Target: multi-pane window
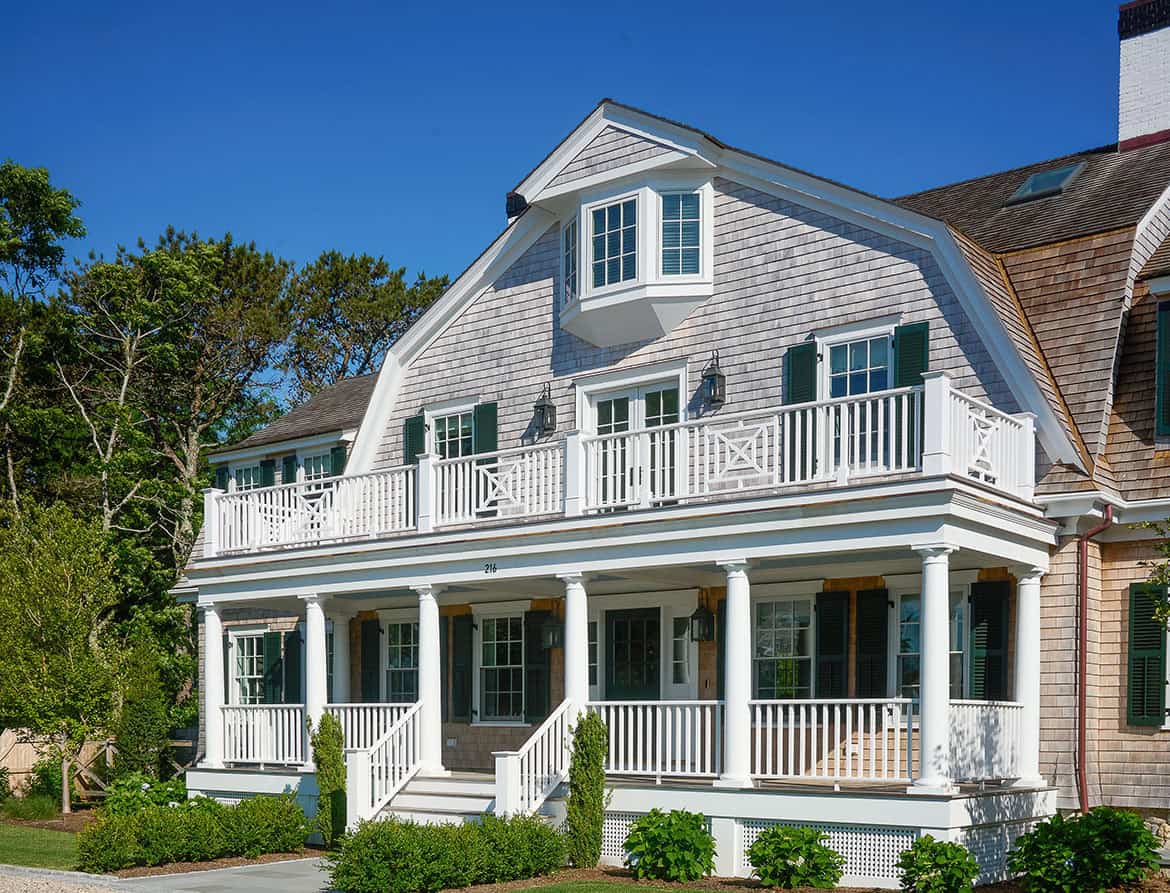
[(453, 435), (680, 655), (249, 676), (569, 259), (318, 467), (247, 477), (592, 652), (782, 657), (502, 668), (910, 646), (402, 662), (859, 367), (680, 234), (615, 243)]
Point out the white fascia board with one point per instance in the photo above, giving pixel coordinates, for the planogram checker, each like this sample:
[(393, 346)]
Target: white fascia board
[(507, 248), (278, 447)]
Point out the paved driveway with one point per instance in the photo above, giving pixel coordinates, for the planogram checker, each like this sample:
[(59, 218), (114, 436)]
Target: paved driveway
[(299, 876)]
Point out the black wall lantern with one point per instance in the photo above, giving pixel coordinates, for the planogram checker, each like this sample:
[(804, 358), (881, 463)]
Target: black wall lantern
[(702, 625), (545, 412), (552, 634), (714, 383)]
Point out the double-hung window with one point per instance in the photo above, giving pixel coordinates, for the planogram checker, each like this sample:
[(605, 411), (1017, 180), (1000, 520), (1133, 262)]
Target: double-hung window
[(909, 663), (402, 662), (569, 260), (247, 477), (680, 233), (859, 367), (783, 649), (592, 652), (680, 655), (453, 435), (318, 467), (249, 665), (614, 236), (502, 669)]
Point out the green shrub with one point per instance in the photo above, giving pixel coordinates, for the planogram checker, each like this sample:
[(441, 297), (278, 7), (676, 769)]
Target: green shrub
[(403, 857), (197, 831), (328, 741), (937, 866), (585, 808), (143, 726), (784, 856), (45, 780), (5, 784), (136, 791), (674, 846), (31, 807), (1103, 849)]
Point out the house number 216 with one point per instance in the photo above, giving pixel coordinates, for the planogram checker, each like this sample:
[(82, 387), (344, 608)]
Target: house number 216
[(489, 567)]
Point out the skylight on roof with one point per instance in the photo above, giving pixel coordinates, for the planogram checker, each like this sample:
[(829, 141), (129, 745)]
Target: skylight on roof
[(1046, 183)]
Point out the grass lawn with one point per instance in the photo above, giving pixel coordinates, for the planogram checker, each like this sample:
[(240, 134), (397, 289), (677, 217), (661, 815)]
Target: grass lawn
[(38, 848)]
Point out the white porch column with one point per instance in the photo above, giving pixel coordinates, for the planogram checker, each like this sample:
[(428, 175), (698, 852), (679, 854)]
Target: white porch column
[(737, 685), (1026, 688), (341, 658), (316, 671), (935, 671), (212, 687), (576, 642), (430, 690)]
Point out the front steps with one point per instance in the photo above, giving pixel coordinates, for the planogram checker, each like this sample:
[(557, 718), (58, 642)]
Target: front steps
[(458, 797)]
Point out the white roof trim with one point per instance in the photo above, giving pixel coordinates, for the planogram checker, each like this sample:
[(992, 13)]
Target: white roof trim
[(280, 447)]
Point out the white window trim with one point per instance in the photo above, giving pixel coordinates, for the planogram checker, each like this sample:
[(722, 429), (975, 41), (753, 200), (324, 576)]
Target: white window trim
[(589, 390), (387, 616), (495, 610), (233, 487), (844, 334), (250, 631), (705, 234), (563, 293), (642, 250), (911, 585), (457, 406), (788, 593)]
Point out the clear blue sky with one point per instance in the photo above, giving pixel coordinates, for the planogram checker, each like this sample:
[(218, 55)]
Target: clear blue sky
[(397, 129)]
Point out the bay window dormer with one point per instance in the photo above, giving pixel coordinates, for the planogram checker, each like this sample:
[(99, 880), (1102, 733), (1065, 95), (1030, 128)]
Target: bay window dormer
[(635, 262)]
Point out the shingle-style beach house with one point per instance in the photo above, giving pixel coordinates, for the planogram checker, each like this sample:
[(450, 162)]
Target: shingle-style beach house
[(824, 501)]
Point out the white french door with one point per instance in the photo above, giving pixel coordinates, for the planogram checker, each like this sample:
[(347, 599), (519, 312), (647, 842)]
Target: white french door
[(637, 468)]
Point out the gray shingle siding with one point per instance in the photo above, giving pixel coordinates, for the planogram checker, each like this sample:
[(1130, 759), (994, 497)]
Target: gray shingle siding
[(781, 272), (609, 149)]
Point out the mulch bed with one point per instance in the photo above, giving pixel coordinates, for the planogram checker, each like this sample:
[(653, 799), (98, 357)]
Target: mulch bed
[(232, 862), (74, 822)]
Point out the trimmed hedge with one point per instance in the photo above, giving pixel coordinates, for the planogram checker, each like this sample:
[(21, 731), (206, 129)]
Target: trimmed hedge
[(197, 831), (403, 857)]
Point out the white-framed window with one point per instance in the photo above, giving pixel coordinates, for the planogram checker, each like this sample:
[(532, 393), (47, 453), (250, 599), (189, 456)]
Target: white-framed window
[(453, 434), (329, 652), (908, 661), (680, 652), (681, 248), (401, 683), (569, 260), (247, 477), (248, 667), (317, 467), (613, 235), (501, 668), (592, 652), (782, 651), (860, 366)]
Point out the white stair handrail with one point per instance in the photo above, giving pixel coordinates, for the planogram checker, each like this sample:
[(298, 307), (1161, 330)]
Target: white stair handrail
[(376, 773), (526, 777)]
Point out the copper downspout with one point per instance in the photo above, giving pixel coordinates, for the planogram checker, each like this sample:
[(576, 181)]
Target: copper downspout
[(1082, 652)]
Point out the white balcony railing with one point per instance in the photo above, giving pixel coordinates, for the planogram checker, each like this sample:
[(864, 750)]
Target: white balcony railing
[(846, 740), (985, 739), (272, 734), (363, 724), (931, 429), (663, 738)]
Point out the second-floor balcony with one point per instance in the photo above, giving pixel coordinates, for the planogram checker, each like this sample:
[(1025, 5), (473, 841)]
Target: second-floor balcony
[(929, 430)]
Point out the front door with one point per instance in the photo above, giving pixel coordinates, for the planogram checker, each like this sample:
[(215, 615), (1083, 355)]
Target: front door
[(632, 666)]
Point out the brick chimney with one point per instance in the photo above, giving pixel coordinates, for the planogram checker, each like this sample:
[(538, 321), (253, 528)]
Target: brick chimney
[(1144, 101)]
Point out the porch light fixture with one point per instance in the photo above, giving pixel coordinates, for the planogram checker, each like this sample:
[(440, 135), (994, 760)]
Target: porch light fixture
[(714, 383), (552, 634), (544, 412), (702, 625)]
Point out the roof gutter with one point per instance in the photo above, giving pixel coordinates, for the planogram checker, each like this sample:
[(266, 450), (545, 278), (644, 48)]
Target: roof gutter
[(1082, 652)]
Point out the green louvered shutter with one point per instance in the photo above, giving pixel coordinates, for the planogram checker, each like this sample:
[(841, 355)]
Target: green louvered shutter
[(1162, 376), (832, 644), (221, 477), (414, 438), (989, 635), (444, 669), (800, 373), (462, 646), (268, 473), (1146, 682), (873, 620), (227, 669), (337, 461), (371, 634), (273, 669), (911, 354), (292, 667), (537, 667), (485, 428), (721, 649), (288, 470)]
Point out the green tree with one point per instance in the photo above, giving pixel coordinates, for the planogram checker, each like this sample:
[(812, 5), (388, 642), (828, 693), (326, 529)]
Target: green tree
[(57, 592), (328, 741), (347, 312)]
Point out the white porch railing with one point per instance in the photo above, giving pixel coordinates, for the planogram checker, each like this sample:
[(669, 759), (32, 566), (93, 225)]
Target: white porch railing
[(663, 738), (376, 773), (856, 740), (931, 429), (513, 483), (526, 777), (264, 733), (985, 739), (363, 724)]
